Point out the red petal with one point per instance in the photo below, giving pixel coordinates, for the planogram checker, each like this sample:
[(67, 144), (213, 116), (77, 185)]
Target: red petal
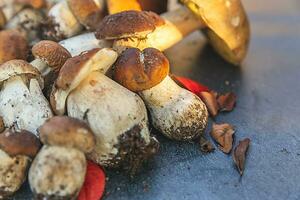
[(191, 85), (94, 184)]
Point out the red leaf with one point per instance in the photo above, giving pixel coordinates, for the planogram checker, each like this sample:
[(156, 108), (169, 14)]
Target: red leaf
[(94, 184), (191, 85)]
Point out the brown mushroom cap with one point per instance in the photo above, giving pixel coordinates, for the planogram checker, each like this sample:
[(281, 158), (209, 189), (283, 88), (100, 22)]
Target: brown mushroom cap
[(128, 24), (227, 26), (141, 70), (19, 143), (72, 68), (75, 70), (34, 3), (18, 68), (87, 12), (52, 53), (68, 132), (13, 45)]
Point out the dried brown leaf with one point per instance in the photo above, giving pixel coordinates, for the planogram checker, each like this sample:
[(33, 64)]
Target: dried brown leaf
[(239, 154), (226, 102), (223, 135), (209, 98), (205, 145)]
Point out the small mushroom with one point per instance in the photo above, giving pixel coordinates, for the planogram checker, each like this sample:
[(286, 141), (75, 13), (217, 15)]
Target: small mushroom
[(49, 56), (17, 149), (13, 45), (22, 104), (67, 17), (117, 116), (224, 22), (28, 22), (175, 112), (58, 171)]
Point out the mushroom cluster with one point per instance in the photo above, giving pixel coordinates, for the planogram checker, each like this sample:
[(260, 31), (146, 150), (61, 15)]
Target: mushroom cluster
[(87, 79)]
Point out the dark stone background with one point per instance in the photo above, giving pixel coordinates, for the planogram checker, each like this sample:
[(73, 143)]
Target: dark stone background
[(268, 109)]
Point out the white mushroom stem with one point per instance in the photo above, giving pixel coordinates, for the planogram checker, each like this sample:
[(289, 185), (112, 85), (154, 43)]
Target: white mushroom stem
[(84, 42), (12, 175), (42, 66), (57, 171), (179, 23), (110, 110), (27, 21), (22, 106), (64, 22), (176, 112)]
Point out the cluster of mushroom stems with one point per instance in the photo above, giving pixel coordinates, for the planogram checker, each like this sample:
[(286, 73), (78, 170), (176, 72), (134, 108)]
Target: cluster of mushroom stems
[(96, 95)]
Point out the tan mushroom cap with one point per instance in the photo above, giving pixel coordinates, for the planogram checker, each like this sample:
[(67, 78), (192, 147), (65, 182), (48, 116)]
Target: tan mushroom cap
[(128, 24), (19, 143), (228, 28), (52, 53), (140, 70), (75, 70), (34, 3), (18, 68), (68, 132), (13, 45), (88, 12)]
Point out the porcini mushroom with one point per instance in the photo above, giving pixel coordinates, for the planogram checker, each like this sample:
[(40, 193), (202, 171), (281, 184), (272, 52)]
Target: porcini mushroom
[(175, 112), (49, 56), (58, 171), (67, 17), (117, 116), (28, 22), (22, 104), (17, 149), (13, 45), (224, 22)]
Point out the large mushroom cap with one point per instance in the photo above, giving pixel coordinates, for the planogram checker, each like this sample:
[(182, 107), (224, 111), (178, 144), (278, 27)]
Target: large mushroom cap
[(140, 70), (88, 12), (128, 24), (13, 45), (75, 70), (19, 143), (52, 53), (19, 68), (227, 26), (67, 132)]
